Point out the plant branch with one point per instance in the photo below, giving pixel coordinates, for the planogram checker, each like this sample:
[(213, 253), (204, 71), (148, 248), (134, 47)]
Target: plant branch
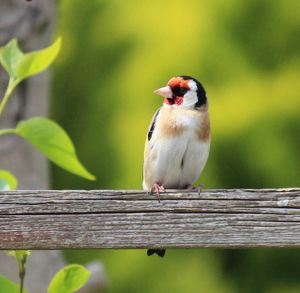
[(11, 85), (22, 272)]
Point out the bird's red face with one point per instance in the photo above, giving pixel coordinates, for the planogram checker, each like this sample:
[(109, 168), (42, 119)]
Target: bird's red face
[(175, 90)]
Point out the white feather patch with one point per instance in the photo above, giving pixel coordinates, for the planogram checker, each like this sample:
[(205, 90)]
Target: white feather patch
[(176, 162)]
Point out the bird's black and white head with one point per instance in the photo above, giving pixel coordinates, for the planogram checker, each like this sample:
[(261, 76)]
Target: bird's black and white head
[(183, 91)]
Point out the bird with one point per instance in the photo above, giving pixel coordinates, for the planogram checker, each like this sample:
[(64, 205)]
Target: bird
[(178, 139)]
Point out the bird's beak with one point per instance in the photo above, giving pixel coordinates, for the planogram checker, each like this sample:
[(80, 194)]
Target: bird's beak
[(164, 92)]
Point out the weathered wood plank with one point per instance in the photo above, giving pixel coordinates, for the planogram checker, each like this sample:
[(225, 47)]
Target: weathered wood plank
[(51, 219)]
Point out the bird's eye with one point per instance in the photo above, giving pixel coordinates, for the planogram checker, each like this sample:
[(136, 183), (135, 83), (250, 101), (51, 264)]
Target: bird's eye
[(178, 92), (183, 91)]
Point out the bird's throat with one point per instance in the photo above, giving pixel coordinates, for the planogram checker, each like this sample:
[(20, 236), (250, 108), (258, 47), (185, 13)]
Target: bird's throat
[(171, 101)]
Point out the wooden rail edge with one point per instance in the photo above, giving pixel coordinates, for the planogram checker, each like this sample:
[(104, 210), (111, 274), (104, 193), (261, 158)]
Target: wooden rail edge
[(69, 219)]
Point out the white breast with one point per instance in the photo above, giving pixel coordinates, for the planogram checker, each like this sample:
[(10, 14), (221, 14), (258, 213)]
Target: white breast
[(194, 161), (177, 161)]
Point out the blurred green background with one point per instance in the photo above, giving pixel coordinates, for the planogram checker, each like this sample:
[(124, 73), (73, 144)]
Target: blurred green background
[(247, 55)]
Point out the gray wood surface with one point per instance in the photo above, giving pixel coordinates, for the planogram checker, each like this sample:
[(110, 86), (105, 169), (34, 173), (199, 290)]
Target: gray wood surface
[(133, 219)]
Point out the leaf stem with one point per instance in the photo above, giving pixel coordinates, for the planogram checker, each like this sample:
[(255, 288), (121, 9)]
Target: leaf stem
[(7, 131), (22, 272), (11, 85)]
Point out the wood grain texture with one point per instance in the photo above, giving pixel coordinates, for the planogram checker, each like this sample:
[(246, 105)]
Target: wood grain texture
[(51, 219)]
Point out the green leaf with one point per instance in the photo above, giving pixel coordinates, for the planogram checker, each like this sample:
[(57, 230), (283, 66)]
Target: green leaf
[(7, 180), (69, 279), (50, 139), (20, 66), (19, 254), (10, 56), (37, 61), (8, 286)]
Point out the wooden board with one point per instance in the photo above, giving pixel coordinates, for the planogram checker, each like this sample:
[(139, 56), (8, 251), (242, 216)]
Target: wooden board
[(52, 219)]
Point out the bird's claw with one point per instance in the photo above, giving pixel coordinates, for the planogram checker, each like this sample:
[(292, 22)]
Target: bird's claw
[(157, 189), (198, 188)]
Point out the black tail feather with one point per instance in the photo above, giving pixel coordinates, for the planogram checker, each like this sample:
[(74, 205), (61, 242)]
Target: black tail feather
[(159, 252)]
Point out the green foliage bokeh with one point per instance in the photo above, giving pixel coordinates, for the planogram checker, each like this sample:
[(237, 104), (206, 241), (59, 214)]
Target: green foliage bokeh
[(247, 55)]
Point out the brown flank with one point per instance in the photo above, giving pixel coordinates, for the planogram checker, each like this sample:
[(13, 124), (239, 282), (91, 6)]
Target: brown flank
[(204, 129)]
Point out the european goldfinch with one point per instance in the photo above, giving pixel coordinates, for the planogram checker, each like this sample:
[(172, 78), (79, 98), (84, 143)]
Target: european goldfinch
[(178, 140)]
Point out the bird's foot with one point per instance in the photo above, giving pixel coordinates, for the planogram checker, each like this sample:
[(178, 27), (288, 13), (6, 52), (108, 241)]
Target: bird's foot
[(198, 188), (157, 189)]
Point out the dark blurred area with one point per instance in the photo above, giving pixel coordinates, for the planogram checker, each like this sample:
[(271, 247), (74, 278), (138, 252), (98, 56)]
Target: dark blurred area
[(247, 55)]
